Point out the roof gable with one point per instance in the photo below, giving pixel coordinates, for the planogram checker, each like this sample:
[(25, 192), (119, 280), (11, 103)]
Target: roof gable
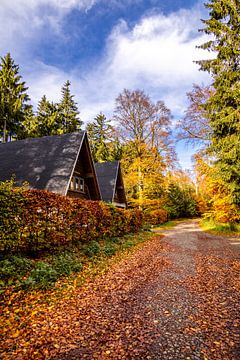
[(107, 177), (111, 182), (45, 163)]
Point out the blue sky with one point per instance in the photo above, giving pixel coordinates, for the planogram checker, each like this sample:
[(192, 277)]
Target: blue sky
[(104, 46)]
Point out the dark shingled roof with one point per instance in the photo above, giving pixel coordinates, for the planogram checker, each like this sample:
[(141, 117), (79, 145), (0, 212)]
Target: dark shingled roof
[(107, 176), (45, 163)]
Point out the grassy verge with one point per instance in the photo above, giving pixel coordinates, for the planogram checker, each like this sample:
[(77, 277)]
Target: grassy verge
[(220, 229), (168, 225), (81, 261)]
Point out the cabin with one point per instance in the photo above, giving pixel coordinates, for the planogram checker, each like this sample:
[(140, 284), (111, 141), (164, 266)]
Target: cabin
[(111, 183), (61, 164)]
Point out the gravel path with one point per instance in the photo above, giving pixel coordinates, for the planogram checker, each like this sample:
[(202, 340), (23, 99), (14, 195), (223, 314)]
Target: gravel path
[(179, 299)]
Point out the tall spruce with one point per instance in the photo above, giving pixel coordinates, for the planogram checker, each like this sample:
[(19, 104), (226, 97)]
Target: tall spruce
[(13, 99), (47, 118), (223, 106), (68, 111), (105, 146)]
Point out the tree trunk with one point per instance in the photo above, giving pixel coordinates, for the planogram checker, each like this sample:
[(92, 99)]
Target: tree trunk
[(5, 131), (140, 190)]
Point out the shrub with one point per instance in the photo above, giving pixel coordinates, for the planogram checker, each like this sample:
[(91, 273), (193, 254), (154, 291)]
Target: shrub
[(35, 220), (65, 264), (109, 250), (14, 267), (92, 249), (42, 276), (156, 217)]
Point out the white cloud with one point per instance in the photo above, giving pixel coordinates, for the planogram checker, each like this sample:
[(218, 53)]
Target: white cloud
[(22, 21), (156, 55)]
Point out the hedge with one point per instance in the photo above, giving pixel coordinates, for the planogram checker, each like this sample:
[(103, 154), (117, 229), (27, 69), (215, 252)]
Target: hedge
[(35, 220), (155, 217)]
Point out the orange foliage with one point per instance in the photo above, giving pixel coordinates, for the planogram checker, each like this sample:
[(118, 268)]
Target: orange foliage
[(33, 220)]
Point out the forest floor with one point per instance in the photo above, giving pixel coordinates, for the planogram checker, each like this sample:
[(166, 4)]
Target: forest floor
[(176, 296)]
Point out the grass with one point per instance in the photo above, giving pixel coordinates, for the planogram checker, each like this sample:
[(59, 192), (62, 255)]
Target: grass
[(18, 272), (219, 228), (168, 225)]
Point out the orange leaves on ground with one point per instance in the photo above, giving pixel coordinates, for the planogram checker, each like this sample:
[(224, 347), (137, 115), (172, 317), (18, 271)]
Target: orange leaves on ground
[(95, 320)]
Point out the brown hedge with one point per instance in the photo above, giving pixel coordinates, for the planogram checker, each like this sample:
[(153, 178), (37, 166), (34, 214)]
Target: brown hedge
[(155, 217), (34, 220)]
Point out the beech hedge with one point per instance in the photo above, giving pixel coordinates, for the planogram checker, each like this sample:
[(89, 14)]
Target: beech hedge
[(155, 217), (35, 220)]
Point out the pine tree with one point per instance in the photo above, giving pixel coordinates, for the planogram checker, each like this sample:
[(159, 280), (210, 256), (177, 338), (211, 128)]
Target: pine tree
[(68, 111), (29, 126), (223, 106), (13, 99), (47, 118), (103, 144)]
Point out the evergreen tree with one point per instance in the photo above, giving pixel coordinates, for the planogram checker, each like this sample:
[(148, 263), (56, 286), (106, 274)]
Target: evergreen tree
[(13, 99), (47, 118), (68, 111), (223, 106), (29, 126), (105, 146)]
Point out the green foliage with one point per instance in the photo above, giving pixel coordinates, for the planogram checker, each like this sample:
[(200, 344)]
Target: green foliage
[(65, 264), (218, 228), (68, 111), (223, 106), (104, 144), (48, 122), (180, 202), (109, 250), (42, 276), (128, 244), (91, 249), (13, 99), (14, 267), (53, 118)]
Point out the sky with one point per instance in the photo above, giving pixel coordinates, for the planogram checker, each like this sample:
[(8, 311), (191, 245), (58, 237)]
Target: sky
[(104, 46)]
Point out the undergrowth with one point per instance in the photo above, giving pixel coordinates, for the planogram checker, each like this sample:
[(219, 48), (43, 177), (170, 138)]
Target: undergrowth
[(22, 272), (220, 228)]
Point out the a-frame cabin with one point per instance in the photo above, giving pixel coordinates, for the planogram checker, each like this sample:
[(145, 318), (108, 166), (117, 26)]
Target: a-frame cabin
[(111, 183), (61, 164)]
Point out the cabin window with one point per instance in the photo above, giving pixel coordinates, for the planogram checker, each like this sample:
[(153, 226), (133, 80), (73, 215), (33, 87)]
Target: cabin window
[(77, 184)]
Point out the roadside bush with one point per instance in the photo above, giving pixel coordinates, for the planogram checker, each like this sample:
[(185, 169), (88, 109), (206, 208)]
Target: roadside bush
[(65, 264), (156, 217), (35, 220), (109, 250), (92, 249), (14, 267), (41, 277)]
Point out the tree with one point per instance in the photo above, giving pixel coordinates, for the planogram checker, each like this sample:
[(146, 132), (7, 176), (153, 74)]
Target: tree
[(103, 140), (180, 195), (195, 127), (47, 118), (68, 111), (223, 105), (13, 98), (145, 128), (141, 121), (214, 197)]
